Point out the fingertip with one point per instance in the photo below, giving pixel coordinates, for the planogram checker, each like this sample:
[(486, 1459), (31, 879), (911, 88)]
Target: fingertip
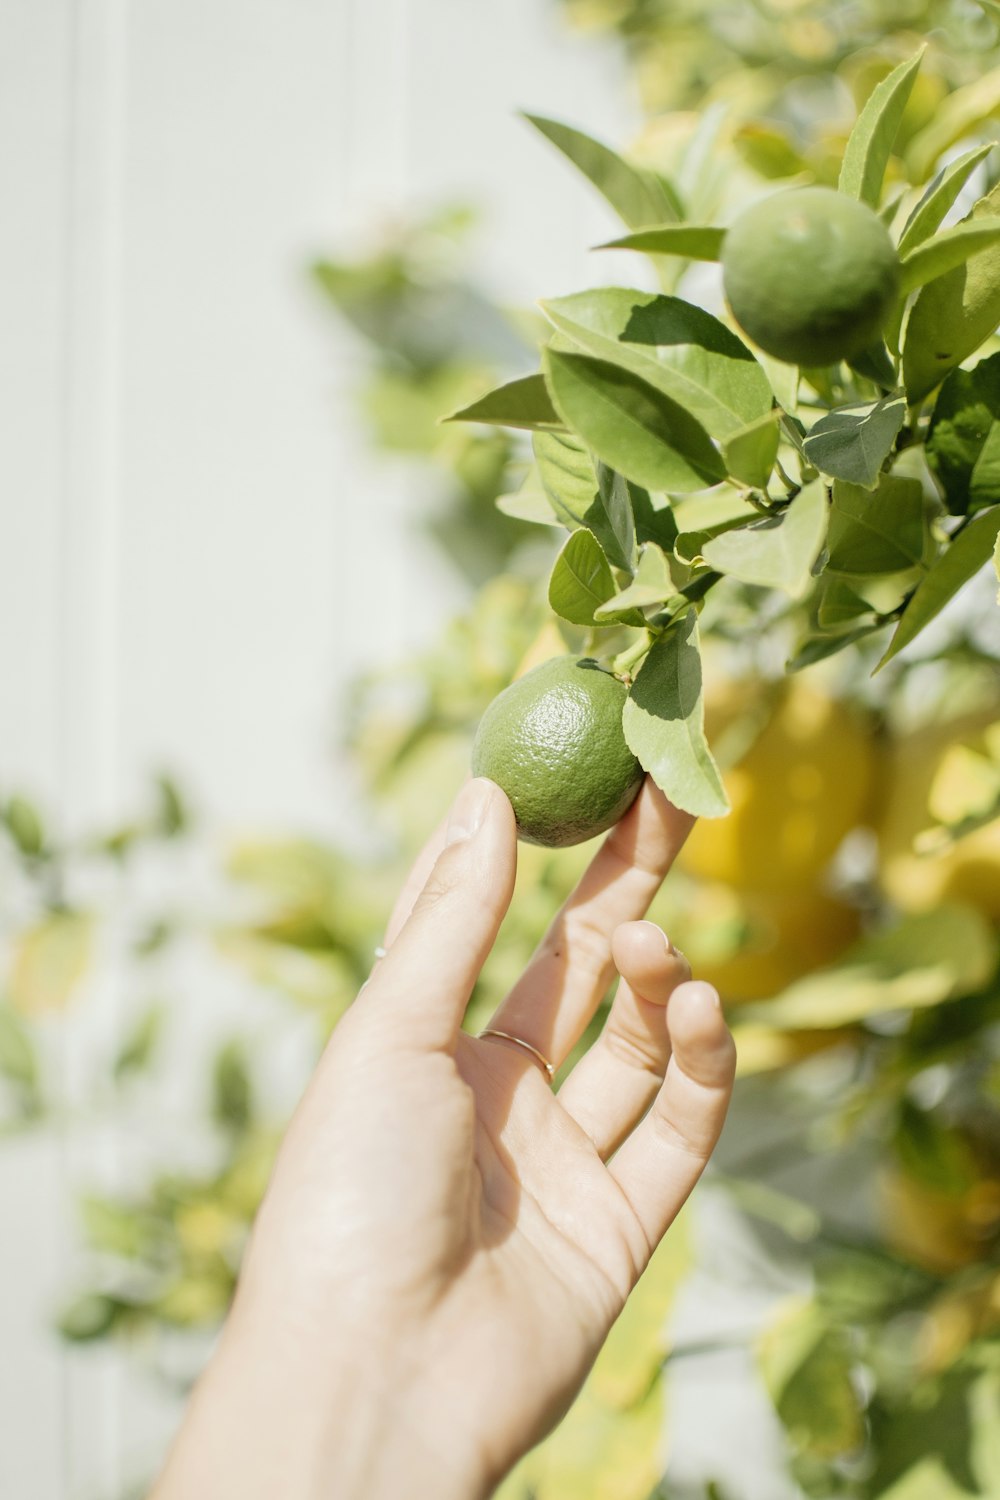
[(698, 1027)]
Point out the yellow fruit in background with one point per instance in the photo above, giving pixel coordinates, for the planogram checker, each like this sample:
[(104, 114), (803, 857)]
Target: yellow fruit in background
[(803, 783), (938, 775), (938, 1230), (751, 946)]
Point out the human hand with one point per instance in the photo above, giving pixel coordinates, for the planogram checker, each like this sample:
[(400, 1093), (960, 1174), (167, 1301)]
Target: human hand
[(446, 1243)]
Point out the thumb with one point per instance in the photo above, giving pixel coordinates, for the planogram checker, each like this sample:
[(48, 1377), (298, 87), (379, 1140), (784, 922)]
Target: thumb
[(422, 986)]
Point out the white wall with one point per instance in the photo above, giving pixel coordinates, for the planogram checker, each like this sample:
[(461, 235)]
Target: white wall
[(183, 492)]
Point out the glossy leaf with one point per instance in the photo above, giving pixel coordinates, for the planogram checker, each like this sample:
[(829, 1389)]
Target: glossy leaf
[(519, 403), (960, 561), (581, 579), (776, 553), (692, 241), (637, 195), (529, 503), (634, 428), (853, 442), (750, 453), (680, 349), (652, 585), (963, 442), (616, 502), (870, 143), (664, 723), (876, 531), (940, 197), (574, 486), (951, 248), (953, 314)]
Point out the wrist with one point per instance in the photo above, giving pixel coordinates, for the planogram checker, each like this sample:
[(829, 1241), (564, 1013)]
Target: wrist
[(280, 1411)]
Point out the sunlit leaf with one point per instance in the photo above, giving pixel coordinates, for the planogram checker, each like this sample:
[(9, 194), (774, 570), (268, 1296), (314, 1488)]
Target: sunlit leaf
[(634, 428), (960, 561), (637, 195), (749, 453), (693, 241), (940, 196), (680, 349), (664, 723), (951, 248), (775, 552), (581, 579), (953, 314), (870, 143), (652, 585), (963, 112), (808, 1365), (963, 442), (519, 403)]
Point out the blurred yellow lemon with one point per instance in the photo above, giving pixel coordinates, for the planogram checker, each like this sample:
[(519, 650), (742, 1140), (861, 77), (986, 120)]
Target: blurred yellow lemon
[(802, 784), (753, 945)]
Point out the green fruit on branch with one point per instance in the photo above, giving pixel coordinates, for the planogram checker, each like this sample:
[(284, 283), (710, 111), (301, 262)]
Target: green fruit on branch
[(810, 275), (553, 741)]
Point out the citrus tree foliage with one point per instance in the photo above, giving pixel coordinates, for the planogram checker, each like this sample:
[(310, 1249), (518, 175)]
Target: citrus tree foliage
[(748, 544)]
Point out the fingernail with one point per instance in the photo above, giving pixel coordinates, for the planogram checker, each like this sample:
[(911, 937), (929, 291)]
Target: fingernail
[(469, 810), (668, 945)]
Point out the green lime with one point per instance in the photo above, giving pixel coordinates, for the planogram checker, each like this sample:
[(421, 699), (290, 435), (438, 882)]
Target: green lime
[(553, 741), (811, 275)]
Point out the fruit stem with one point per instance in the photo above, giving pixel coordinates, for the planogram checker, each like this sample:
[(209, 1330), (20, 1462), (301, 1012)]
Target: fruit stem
[(623, 663)]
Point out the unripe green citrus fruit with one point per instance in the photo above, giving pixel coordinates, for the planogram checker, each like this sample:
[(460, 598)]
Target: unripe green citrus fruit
[(553, 741), (810, 274)]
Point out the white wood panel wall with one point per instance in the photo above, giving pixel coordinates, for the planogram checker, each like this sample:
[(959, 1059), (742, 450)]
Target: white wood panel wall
[(183, 491)]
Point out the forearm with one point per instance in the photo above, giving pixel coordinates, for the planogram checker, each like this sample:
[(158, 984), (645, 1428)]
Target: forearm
[(270, 1417)]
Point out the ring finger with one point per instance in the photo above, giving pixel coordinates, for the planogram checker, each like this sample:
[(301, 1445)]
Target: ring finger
[(612, 1087)]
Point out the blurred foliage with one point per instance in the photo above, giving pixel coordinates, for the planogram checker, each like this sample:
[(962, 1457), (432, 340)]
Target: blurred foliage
[(849, 909)]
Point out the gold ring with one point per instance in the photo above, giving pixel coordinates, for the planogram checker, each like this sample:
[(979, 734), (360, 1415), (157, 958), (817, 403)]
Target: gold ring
[(505, 1036)]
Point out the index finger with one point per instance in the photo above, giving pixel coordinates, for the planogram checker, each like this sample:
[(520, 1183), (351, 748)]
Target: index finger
[(568, 976)]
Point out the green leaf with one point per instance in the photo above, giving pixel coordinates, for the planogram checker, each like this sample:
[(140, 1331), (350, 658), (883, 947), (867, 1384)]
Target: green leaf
[(529, 503), (874, 364), (953, 314), (139, 1047), (232, 1090), (638, 430), (870, 143), (963, 442), (24, 824), (172, 815), (940, 197), (519, 403), (18, 1061), (581, 580), (580, 498), (775, 553), (637, 195), (880, 531), (750, 453), (840, 607), (808, 1367), (664, 723), (653, 585), (853, 442), (941, 1443), (924, 960), (692, 241), (961, 559), (951, 248), (680, 349), (654, 518), (91, 1316), (616, 500)]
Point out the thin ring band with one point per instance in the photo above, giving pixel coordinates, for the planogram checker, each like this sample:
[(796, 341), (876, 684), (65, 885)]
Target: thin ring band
[(520, 1042)]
